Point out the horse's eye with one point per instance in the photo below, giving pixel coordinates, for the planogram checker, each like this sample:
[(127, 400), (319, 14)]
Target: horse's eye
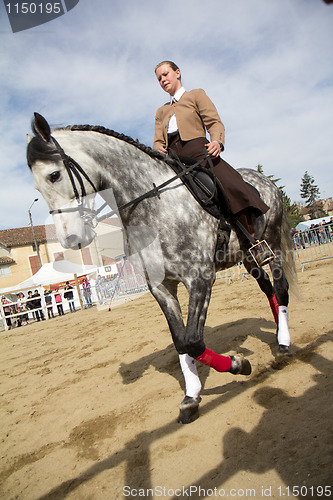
[(54, 177)]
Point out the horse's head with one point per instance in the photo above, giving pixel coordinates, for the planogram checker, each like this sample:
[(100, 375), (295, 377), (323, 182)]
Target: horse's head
[(63, 185)]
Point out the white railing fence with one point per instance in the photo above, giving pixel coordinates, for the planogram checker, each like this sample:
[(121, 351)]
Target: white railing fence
[(314, 244)]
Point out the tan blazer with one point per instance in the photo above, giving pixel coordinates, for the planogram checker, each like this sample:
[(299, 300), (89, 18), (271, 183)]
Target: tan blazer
[(195, 113)]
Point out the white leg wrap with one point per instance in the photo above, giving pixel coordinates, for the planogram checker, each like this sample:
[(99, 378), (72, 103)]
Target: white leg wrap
[(283, 330), (192, 381)]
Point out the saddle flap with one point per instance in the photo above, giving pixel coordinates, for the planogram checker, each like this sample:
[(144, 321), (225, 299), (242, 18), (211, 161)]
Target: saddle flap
[(204, 186), (212, 187)]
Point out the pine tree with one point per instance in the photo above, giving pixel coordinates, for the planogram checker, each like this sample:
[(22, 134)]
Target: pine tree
[(310, 193)]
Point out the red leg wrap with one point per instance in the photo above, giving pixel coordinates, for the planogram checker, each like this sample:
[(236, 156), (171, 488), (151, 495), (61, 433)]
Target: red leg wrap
[(275, 308), (216, 361)]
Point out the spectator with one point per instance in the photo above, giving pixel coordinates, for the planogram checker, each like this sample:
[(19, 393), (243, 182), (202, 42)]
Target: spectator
[(69, 295), (30, 304), (326, 226), (48, 301), (7, 310), (87, 292), (21, 307), (58, 301), (37, 302)]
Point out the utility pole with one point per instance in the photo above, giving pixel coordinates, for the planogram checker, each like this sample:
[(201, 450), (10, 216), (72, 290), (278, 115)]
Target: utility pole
[(34, 234)]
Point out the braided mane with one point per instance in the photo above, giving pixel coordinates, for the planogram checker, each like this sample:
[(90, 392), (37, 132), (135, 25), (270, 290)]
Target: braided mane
[(102, 130), (40, 149)]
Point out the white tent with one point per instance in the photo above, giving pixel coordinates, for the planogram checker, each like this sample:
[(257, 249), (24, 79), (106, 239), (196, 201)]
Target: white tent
[(51, 273), (305, 225)]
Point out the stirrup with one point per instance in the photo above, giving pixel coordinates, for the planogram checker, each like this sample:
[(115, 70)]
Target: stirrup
[(261, 253)]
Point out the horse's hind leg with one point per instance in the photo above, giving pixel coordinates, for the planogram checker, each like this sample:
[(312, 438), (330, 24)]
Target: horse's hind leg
[(282, 295), (278, 297), (265, 285)]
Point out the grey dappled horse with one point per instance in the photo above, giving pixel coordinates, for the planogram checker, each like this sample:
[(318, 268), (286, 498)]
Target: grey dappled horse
[(173, 239)]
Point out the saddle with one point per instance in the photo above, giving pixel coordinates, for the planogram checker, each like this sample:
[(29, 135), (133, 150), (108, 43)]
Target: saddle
[(204, 186), (209, 193)]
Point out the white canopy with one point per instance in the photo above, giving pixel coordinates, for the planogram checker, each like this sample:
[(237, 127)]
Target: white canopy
[(51, 273), (305, 225)]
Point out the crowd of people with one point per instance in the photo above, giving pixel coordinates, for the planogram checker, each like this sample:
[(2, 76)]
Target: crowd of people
[(316, 234), (26, 309), (29, 308)]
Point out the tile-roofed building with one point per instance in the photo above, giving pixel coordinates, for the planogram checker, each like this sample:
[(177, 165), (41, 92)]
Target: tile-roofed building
[(19, 259), (24, 236), (325, 205), (328, 206)]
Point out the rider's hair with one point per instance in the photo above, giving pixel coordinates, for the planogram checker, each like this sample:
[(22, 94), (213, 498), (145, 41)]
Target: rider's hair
[(170, 63)]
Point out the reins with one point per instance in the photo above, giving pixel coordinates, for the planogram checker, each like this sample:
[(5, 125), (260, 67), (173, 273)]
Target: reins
[(155, 191), (74, 170)]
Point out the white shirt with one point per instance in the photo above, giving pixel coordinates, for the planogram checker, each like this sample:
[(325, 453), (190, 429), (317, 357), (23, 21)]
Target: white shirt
[(172, 126)]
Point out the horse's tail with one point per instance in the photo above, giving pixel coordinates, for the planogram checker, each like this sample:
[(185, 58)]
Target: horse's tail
[(288, 254)]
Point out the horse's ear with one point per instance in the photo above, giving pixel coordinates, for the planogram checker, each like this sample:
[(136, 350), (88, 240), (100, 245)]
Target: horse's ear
[(41, 127), (29, 138)]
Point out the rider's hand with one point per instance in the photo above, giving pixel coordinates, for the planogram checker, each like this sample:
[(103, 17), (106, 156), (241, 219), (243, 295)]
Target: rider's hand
[(213, 149)]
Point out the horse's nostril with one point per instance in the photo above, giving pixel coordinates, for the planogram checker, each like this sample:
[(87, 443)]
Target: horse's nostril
[(72, 240)]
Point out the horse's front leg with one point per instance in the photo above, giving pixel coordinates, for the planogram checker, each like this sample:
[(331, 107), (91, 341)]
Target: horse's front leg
[(166, 296), (199, 296)]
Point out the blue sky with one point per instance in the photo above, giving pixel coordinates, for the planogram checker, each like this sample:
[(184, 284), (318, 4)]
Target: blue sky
[(267, 66)]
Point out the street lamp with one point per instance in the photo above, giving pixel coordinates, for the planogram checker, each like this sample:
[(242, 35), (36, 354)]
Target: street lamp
[(33, 233)]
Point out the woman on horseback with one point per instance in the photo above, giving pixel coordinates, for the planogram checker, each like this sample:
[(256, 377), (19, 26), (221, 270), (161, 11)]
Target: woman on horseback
[(181, 125)]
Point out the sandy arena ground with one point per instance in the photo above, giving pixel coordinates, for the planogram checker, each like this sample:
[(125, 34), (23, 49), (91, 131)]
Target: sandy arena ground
[(89, 403)]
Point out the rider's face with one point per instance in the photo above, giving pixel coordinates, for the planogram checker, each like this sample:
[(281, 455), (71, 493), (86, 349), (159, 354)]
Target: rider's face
[(168, 78)]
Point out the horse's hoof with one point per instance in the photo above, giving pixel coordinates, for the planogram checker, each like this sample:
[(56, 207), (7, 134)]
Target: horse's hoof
[(284, 350), (240, 366), (188, 410)]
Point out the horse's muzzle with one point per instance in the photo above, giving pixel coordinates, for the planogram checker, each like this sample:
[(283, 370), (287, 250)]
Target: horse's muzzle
[(72, 241)]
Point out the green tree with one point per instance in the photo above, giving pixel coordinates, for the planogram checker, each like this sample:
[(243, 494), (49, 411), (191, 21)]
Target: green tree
[(310, 193), (291, 208), (260, 169)]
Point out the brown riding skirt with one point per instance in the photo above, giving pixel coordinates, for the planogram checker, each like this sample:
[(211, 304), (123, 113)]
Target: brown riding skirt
[(241, 195)]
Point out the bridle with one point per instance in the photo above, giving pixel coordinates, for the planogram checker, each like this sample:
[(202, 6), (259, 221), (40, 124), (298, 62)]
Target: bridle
[(91, 217), (74, 170)]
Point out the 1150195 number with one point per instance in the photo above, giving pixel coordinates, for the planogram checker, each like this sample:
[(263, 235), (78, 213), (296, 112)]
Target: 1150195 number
[(34, 8), (305, 491)]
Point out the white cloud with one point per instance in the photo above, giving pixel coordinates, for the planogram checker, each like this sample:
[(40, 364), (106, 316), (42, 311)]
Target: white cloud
[(266, 65)]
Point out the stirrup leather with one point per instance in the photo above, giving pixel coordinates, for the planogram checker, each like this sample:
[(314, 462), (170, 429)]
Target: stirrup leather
[(261, 253)]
